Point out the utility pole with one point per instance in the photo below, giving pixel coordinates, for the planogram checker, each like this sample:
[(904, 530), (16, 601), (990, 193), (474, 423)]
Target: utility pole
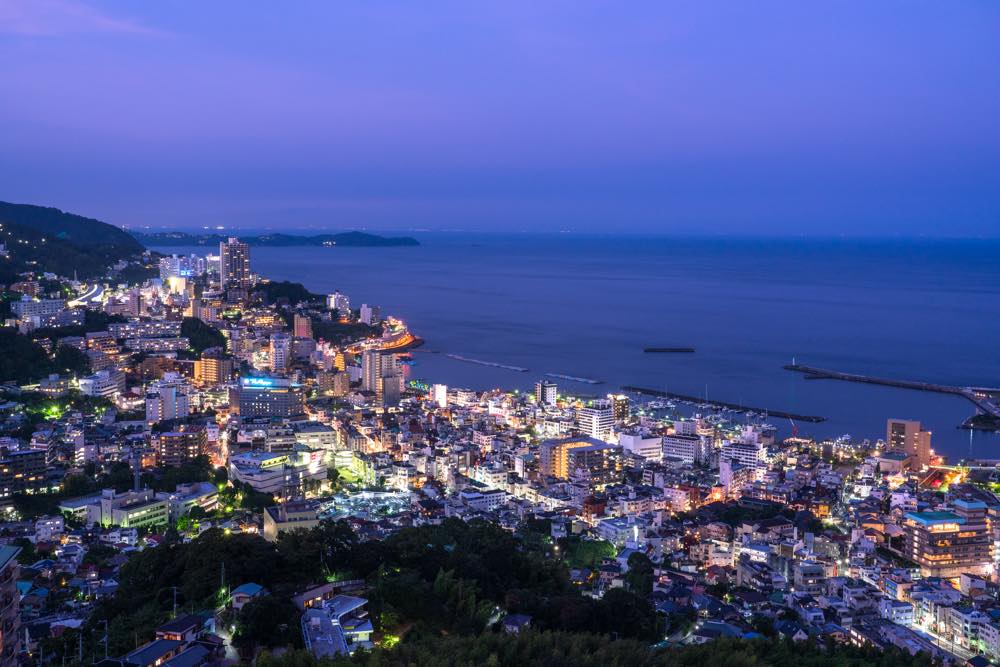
[(175, 601), (105, 639), (222, 583)]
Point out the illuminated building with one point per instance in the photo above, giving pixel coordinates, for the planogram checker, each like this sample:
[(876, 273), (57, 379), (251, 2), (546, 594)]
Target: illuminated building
[(340, 360), (168, 399), (597, 420), (128, 509), (188, 496), (105, 384), (546, 392), (440, 392), (619, 406), (302, 326), (734, 477), (10, 616), (380, 375), (649, 448), (181, 266), (234, 263), (371, 369), (178, 447), (158, 344), (22, 471), (579, 457), (369, 314), (136, 328), (287, 517), (333, 383), (54, 386), (281, 351), (690, 448), (947, 544), (213, 369), (267, 397), (278, 473), (27, 307), (750, 454), (340, 303), (906, 436)]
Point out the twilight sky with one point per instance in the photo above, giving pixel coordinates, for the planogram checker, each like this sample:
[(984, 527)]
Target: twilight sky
[(764, 117)]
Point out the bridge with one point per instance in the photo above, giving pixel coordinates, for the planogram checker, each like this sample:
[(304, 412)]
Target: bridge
[(984, 398)]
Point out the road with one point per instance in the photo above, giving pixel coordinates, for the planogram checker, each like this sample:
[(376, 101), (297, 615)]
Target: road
[(93, 294)]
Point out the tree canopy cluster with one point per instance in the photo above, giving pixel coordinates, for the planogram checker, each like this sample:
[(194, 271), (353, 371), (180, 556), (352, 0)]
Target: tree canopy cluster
[(201, 336), (561, 649), (440, 589), (47, 239), (294, 293), (337, 332), (24, 361)]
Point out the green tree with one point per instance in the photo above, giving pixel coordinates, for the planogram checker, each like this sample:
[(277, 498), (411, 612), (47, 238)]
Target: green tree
[(639, 577), (70, 360), (201, 336), (267, 621)]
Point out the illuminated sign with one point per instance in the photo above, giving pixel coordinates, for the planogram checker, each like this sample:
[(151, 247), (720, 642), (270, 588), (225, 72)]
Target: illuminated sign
[(258, 382)]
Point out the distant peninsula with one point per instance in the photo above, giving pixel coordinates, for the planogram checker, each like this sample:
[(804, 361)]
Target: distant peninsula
[(344, 239)]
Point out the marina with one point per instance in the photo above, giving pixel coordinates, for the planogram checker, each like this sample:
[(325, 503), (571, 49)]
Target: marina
[(720, 405)]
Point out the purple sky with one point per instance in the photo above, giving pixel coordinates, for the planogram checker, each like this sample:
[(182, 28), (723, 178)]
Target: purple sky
[(688, 117)]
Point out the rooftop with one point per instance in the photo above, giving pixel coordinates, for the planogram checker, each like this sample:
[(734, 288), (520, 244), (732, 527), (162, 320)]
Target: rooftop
[(153, 651), (7, 554), (929, 518), (250, 589)]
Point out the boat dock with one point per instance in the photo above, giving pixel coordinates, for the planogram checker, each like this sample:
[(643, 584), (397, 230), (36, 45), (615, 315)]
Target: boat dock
[(668, 350), (722, 405)]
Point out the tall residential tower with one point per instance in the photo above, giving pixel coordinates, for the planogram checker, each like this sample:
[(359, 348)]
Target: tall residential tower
[(234, 263)]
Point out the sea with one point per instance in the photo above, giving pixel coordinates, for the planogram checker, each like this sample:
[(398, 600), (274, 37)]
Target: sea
[(586, 306)]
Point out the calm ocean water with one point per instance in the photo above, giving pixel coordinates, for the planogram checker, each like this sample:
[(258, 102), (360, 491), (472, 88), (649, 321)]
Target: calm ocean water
[(586, 306)]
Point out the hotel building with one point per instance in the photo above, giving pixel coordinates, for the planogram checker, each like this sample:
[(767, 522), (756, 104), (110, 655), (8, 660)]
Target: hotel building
[(947, 544)]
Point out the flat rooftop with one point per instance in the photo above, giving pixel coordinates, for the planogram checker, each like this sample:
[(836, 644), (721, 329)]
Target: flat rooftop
[(929, 518)]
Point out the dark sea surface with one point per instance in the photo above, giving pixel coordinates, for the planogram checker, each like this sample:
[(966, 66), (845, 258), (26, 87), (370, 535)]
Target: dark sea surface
[(587, 306)]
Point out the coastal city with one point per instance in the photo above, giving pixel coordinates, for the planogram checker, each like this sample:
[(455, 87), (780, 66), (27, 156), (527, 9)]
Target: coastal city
[(200, 465)]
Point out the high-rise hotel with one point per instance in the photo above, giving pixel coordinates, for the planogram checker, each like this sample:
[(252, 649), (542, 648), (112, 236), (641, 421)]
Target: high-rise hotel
[(906, 436), (234, 263)]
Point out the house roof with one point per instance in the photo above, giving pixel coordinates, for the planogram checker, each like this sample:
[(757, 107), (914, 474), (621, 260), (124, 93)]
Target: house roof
[(181, 624), (250, 589), (151, 652), (7, 554), (516, 620), (341, 605), (190, 657)]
